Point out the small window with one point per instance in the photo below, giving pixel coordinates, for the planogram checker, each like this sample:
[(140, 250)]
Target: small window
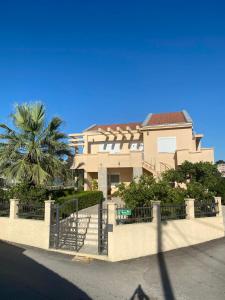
[(106, 147), (141, 147), (103, 147), (167, 144), (133, 147), (136, 147), (115, 148), (109, 147)]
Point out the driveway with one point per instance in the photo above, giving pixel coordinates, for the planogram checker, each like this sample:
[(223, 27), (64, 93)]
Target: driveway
[(190, 273)]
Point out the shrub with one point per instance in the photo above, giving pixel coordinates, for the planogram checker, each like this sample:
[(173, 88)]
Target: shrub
[(27, 193), (4, 195), (57, 193), (85, 199)]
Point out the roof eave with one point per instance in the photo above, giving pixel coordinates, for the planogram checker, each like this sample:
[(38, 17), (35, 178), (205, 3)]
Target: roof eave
[(89, 128), (187, 116), (147, 119), (165, 126)]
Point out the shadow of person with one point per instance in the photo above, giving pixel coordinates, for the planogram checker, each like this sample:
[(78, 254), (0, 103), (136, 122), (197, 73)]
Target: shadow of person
[(139, 294), (23, 278)]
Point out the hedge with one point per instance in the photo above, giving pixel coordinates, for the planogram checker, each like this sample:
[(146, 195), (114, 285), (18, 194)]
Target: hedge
[(85, 199)]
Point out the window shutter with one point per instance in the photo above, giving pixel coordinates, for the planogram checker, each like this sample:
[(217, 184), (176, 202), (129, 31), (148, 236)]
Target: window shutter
[(167, 144)]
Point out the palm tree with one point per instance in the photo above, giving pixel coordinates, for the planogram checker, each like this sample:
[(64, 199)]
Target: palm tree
[(33, 152)]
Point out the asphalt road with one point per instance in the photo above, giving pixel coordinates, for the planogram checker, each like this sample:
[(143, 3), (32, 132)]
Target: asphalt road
[(190, 273)]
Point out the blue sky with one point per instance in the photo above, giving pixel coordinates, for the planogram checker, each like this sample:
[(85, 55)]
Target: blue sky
[(116, 61)]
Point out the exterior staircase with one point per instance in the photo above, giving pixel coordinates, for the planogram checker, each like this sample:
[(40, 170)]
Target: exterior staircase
[(68, 234), (150, 167), (90, 244), (86, 234)]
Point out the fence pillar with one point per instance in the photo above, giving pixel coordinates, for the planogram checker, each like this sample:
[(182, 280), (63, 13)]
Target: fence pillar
[(112, 213), (47, 220), (13, 208), (218, 200), (48, 207), (190, 208), (156, 212)]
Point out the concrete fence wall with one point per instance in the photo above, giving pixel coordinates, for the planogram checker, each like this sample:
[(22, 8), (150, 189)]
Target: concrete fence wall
[(125, 241), (24, 231), (136, 240)]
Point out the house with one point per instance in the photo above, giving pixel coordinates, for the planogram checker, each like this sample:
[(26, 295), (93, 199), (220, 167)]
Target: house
[(221, 168), (117, 153)]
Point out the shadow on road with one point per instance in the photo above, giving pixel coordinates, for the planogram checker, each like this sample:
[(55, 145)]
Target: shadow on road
[(165, 279), (139, 294), (23, 278)]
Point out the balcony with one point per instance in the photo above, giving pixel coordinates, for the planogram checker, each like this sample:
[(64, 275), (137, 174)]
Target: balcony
[(205, 155), (92, 162)]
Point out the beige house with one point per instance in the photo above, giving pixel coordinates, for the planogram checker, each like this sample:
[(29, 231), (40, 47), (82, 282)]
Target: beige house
[(221, 169), (117, 153)]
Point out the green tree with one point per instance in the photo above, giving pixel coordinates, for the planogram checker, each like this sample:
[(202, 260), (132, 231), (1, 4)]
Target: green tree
[(139, 194), (199, 180), (220, 161), (202, 179), (198, 191), (33, 152), (202, 172)]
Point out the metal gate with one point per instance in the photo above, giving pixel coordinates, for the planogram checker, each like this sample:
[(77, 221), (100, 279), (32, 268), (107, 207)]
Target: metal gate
[(69, 227)]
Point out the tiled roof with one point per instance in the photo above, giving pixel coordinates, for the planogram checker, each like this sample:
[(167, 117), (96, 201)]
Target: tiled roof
[(151, 120), (114, 126), (167, 118)]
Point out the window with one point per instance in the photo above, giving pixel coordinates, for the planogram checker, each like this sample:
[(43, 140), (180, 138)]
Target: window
[(136, 147), (167, 144), (114, 179), (141, 147), (104, 147), (115, 148), (133, 147), (109, 147)]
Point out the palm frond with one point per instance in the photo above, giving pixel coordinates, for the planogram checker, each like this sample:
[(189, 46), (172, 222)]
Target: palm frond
[(33, 151)]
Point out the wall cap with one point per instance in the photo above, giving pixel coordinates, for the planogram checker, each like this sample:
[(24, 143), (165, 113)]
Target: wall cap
[(158, 202), (111, 204), (49, 201)]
